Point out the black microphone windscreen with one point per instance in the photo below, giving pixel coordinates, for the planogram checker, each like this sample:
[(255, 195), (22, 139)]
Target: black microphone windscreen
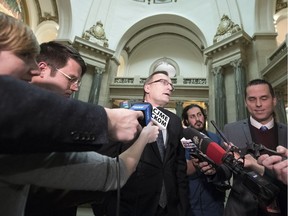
[(205, 145)]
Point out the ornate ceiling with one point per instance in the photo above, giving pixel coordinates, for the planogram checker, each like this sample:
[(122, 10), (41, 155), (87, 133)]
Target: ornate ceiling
[(156, 1)]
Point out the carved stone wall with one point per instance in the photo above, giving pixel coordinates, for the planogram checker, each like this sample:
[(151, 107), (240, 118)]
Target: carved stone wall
[(227, 59)]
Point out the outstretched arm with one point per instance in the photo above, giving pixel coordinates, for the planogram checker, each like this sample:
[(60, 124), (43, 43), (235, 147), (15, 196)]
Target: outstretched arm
[(75, 171), (132, 155), (35, 120)]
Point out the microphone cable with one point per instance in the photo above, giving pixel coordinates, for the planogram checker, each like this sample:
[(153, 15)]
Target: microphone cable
[(118, 179)]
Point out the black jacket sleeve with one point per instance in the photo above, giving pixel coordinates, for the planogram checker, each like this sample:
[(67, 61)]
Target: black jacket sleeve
[(35, 120)]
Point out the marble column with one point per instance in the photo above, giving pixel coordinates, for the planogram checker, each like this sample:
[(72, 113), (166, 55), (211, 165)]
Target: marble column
[(220, 97), (206, 105), (240, 84), (280, 107), (96, 86), (179, 108)]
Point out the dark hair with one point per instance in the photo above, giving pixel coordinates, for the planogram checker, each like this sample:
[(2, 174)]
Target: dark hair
[(185, 113), (57, 55), (151, 77), (260, 82)]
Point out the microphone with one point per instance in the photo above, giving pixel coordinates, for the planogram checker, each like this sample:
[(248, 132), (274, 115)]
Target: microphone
[(150, 113), (160, 118), (146, 108), (264, 190), (213, 151)]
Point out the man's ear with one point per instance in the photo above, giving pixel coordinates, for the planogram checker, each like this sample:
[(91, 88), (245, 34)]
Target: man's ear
[(42, 67), (147, 89), (186, 122), (245, 103), (274, 101)]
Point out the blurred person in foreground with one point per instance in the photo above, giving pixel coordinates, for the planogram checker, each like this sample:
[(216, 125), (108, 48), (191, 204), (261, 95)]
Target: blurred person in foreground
[(61, 69), (32, 121)]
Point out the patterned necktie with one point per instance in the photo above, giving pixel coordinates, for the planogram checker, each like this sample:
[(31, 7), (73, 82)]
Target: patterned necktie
[(263, 128), (161, 147)]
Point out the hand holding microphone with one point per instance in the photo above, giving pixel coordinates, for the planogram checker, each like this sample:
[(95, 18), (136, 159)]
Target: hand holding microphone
[(276, 163), (260, 187), (145, 108), (206, 168), (150, 132), (150, 114), (123, 124), (202, 146), (158, 117), (282, 150)]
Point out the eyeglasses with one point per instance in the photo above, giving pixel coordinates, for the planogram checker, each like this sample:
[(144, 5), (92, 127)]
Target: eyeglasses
[(164, 82), (72, 80)]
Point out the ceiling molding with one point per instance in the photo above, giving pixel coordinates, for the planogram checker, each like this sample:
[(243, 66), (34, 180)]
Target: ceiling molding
[(46, 14), (160, 29)]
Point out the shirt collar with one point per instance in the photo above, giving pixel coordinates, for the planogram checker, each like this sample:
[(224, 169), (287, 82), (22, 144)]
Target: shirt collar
[(258, 125)]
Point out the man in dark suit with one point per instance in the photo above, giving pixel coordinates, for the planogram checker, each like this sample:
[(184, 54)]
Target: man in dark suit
[(260, 101), (142, 194)]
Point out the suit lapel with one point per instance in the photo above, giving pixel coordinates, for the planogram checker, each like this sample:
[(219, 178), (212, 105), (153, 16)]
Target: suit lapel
[(155, 148), (169, 126), (282, 135), (246, 129)]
